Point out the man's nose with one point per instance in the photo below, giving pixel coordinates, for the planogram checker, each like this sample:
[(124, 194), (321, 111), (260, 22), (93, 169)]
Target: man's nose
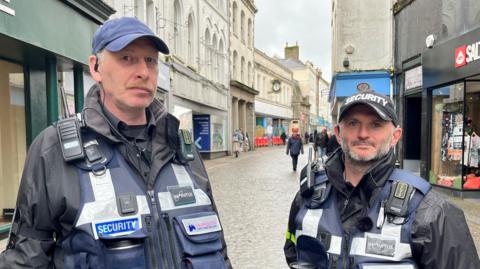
[(142, 69), (363, 132)]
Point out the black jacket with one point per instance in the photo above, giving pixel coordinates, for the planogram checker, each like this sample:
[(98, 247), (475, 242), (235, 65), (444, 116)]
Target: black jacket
[(49, 195), (440, 235), (294, 145)]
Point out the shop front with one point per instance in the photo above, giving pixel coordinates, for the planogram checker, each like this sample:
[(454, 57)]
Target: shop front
[(451, 82), (44, 47)]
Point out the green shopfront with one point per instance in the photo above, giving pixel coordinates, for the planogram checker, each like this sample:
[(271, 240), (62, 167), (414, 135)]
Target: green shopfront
[(44, 46)]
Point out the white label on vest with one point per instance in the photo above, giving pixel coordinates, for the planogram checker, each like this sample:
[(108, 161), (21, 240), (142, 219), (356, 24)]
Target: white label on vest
[(183, 178), (202, 225), (167, 203), (380, 245), (117, 227)]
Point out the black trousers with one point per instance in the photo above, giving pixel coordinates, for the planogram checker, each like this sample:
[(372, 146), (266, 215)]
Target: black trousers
[(294, 160)]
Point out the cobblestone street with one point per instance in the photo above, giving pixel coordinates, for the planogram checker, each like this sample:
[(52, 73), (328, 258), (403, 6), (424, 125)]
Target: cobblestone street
[(253, 195)]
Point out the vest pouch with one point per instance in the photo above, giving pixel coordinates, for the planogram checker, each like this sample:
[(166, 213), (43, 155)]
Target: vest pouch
[(311, 250), (199, 240), (209, 261), (388, 265), (125, 253)]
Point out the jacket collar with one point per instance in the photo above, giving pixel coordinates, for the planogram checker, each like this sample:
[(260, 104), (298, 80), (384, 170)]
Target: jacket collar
[(374, 177), (96, 119)]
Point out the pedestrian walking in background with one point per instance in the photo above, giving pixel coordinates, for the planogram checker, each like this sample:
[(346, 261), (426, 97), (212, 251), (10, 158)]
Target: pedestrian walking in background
[(306, 136), (367, 213), (237, 140), (320, 144), (332, 144), (294, 147), (246, 143), (315, 134), (283, 136)]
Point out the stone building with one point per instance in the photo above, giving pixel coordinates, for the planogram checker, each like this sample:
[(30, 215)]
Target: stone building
[(242, 91), (194, 84)]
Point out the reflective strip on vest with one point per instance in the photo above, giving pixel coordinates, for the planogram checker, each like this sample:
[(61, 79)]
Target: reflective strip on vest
[(105, 205), (382, 243), (183, 179), (310, 228), (290, 236), (388, 266)]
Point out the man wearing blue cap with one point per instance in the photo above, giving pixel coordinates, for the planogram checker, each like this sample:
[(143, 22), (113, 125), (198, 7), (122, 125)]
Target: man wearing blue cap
[(358, 211), (119, 185)]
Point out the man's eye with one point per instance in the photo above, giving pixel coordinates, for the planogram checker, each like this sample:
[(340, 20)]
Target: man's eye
[(151, 60), (126, 58)]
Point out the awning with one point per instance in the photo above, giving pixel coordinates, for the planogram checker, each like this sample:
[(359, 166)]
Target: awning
[(345, 84)]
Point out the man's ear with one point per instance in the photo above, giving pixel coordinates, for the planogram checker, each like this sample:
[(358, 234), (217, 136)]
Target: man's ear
[(336, 129), (397, 134), (93, 67)]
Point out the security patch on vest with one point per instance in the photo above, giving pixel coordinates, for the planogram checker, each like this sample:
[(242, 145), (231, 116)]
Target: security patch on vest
[(116, 227), (380, 245), (202, 225), (182, 195)]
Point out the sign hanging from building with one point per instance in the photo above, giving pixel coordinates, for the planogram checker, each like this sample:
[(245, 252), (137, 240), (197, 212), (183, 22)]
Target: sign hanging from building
[(413, 78)]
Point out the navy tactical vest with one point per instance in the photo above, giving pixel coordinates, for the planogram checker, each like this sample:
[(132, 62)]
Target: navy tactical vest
[(122, 224), (320, 239)]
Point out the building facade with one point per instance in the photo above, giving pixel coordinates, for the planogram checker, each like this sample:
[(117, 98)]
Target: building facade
[(438, 91), (44, 48), (362, 48), (242, 66), (273, 104), (308, 78), (197, 77)]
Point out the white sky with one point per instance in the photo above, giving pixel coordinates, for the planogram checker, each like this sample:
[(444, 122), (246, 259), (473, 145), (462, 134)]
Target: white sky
[(304, 21)]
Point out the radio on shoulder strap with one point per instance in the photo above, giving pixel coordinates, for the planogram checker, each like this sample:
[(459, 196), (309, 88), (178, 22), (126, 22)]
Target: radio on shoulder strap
[(186, 145), (68, 131)]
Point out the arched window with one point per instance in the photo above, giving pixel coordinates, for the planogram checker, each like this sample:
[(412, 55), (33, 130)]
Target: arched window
[(221, 69), (242, 27), (213, 56), (234, 17), (242, 70), (249, 40), (235, 65), (177, 27), (208, 60), (191, 39)]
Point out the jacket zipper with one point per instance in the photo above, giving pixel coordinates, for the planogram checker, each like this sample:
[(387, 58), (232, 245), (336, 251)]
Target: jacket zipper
[(171, 238), (156, 233), (345, 251), (151, 246)]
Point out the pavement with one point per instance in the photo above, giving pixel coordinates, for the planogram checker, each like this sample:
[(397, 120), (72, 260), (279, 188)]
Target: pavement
[(253, 194)]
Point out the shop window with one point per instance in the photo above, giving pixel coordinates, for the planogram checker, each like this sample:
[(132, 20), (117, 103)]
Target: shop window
[(13, 146), (472, 138), (447, 136)]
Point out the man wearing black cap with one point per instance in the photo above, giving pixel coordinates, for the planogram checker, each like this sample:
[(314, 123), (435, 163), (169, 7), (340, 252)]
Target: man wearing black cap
[(358, 211), (117, 186)]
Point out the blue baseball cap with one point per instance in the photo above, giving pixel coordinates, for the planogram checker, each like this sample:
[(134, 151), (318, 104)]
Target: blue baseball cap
[(116, 34)]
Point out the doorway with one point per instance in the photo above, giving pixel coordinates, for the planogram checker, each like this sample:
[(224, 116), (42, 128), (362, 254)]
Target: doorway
[(412, 132)]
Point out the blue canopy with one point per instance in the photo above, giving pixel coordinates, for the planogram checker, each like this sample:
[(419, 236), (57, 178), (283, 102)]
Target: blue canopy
[(345, 84)]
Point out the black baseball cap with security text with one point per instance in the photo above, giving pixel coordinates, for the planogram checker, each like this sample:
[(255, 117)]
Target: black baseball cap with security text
[(380, 103)]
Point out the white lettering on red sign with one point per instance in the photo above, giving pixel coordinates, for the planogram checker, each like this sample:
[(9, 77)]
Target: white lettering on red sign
[(466, 54)]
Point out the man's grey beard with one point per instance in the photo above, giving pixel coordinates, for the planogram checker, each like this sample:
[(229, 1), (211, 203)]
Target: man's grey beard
[(356, 159)]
